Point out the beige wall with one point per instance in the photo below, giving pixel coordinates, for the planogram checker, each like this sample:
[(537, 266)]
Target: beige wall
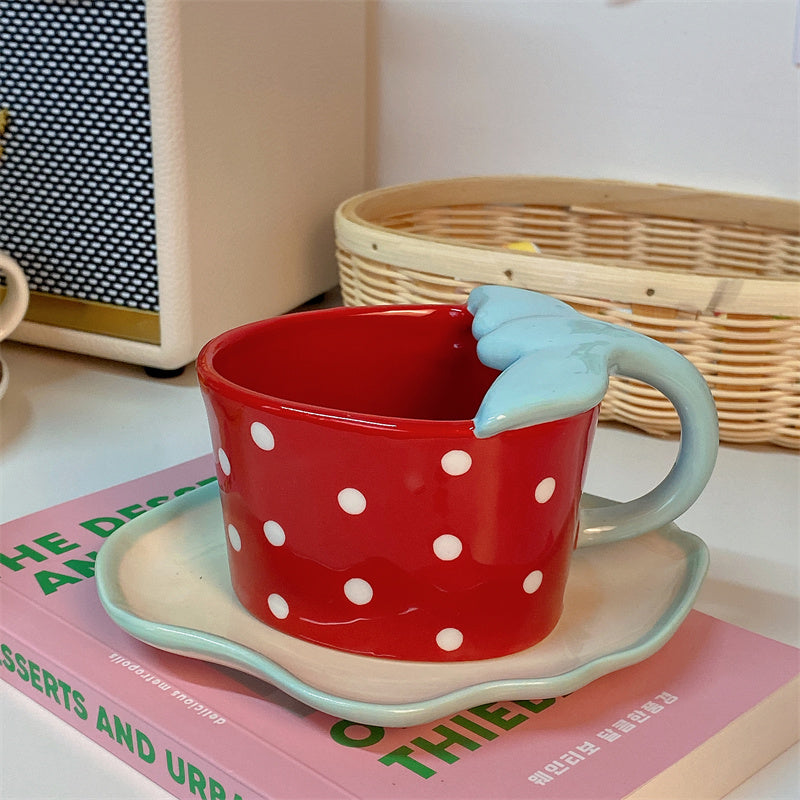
[(691, 92)]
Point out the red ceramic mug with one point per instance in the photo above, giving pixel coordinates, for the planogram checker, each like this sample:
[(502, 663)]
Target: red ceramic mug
[(361, 509)]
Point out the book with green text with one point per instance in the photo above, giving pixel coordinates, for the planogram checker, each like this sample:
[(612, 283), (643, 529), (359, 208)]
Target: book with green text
[(710, 708)]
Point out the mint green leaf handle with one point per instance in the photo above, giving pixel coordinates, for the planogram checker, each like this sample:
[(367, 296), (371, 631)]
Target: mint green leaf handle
[(555, 363)]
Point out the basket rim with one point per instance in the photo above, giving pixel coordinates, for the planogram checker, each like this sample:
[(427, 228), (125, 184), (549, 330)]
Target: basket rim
[(689, 292), (624, 197)]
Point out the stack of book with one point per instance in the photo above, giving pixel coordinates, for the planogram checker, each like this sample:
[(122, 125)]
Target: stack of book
[(711, 707)]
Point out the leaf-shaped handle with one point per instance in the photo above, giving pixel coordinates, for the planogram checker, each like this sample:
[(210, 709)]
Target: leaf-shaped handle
[(556, 362)]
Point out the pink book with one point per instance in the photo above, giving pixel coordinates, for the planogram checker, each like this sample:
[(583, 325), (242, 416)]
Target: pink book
[(714, 694)]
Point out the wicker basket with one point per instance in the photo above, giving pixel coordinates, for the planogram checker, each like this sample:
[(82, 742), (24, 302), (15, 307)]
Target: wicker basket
[(714, 275)]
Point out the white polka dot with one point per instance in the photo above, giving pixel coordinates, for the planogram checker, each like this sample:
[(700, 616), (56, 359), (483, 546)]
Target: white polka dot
[(262, 436), (544, 491), (234, 538), (533, 581), (224, 463), (352, 501), (449, 639), (278, 606), (456, 462), (274, 533), (447, 547), (358, 591)]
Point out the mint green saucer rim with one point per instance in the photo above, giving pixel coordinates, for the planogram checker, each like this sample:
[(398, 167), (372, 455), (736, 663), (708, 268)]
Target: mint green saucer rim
[(218, 650)]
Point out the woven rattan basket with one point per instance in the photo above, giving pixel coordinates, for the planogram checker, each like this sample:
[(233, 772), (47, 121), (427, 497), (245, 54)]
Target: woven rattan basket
[(714, 275)]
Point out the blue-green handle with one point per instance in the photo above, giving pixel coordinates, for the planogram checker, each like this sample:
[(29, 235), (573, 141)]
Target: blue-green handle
[(556, 362)]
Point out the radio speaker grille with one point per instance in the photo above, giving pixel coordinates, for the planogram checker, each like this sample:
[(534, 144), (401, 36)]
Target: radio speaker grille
[(77, 209)]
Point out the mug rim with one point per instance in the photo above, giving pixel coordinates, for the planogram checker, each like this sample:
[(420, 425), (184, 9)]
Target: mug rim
[(212, 380)]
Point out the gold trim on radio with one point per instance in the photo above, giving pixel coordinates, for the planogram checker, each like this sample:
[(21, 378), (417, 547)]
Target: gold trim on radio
[(92, 317)]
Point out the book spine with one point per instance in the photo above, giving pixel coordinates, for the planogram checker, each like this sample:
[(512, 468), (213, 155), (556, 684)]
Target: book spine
[(167, 762)]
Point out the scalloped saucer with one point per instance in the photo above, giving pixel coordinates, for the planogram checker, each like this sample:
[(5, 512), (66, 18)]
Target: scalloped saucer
[(164, 579)]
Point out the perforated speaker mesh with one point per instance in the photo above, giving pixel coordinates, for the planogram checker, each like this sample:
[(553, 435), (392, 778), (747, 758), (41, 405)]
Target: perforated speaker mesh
[(76, 177)]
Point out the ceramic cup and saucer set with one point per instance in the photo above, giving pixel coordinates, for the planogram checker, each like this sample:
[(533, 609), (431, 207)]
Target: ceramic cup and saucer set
[(398, 530), (12, 308)]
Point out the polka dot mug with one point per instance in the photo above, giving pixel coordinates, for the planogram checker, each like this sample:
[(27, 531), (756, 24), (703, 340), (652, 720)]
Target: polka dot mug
[(405, 481)]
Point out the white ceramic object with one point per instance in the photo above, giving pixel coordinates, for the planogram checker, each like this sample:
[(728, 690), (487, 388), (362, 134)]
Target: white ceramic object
[(13, 306), (164, 578)]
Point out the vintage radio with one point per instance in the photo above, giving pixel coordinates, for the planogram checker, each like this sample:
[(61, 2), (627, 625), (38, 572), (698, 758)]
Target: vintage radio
[(170, 168)]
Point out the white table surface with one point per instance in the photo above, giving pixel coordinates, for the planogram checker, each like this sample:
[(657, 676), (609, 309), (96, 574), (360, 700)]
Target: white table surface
[(70, 425)]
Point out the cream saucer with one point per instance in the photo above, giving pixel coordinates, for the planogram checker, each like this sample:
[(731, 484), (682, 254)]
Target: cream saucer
[(163, 577)]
